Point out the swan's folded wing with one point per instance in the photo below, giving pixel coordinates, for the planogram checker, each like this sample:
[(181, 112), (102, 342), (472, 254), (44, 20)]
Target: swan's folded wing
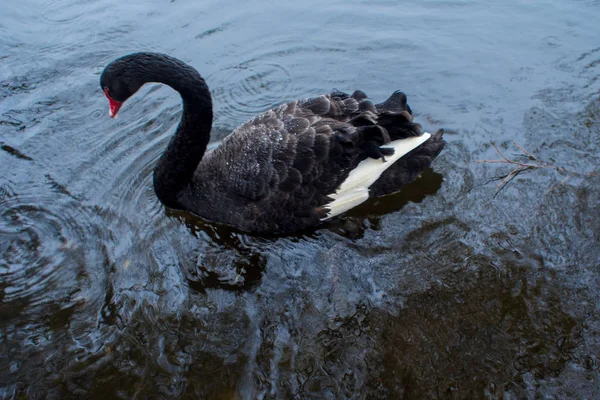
[(286, 148)]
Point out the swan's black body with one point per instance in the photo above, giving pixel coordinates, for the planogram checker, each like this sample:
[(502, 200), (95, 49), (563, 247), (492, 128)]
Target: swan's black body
[(276, 172)]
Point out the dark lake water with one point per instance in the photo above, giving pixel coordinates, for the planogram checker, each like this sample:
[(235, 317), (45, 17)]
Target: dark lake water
[(440, 291)]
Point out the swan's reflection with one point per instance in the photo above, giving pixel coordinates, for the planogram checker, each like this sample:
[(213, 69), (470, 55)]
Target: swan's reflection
[(234, 260)]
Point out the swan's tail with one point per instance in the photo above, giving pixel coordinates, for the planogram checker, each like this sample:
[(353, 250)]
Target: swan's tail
[(384, 148), (409, 167), (395, 116), (397, 102)]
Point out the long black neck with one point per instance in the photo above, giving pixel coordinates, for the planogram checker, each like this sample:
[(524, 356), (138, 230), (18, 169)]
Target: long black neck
[(176, 166)]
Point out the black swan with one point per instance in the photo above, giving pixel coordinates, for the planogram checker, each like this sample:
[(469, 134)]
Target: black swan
[(287, 169)]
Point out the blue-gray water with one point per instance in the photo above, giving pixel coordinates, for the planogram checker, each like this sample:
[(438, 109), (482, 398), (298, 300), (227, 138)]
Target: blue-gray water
[(440, 291)]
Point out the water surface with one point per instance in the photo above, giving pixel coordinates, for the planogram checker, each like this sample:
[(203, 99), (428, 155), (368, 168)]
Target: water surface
[(444, 290)]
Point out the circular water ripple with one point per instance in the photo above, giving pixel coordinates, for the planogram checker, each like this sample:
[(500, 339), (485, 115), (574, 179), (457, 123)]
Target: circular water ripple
[(47, 240), (62, 12), (251, 88), (58, 290), (133, 188), (267, 78), (131, 157), (97, 113)]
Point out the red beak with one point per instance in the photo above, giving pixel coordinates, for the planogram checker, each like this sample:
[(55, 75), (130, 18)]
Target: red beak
[(113, 105)]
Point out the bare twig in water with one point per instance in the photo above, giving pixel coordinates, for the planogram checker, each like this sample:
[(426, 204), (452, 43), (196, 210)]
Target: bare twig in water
[(524, 166), (559, 183)]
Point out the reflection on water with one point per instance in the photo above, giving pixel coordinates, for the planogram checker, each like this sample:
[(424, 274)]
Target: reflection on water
[(439, 291)]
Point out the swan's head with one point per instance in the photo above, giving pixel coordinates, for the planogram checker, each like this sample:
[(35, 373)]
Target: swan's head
[(120, 80)]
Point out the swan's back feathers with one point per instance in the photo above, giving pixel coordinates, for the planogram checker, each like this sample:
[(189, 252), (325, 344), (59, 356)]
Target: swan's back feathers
[(279, 171)]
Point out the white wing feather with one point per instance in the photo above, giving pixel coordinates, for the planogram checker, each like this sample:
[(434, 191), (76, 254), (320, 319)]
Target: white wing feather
[(355, 189)]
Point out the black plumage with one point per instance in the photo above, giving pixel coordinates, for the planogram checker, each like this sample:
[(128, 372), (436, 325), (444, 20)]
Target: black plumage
[(276, 172)]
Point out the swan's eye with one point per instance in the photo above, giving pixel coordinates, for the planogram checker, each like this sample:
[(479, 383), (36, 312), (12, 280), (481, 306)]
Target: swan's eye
[(107, 92)]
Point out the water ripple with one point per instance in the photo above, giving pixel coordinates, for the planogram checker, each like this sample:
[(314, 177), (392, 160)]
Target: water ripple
[(264, 79), (97, 113), (252, 87), (48, 239), (61, 12)]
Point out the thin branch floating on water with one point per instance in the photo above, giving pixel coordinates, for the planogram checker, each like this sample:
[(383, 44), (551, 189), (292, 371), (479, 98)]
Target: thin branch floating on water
[(524, 166)]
